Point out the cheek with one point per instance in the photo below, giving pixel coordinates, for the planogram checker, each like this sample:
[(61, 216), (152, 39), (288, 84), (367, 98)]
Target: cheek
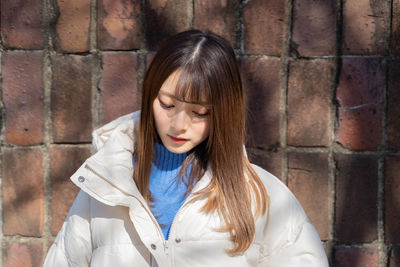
[(202, 130), (160, 117)]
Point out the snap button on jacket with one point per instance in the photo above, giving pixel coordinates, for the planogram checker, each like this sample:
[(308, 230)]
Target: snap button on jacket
[(110, 224)]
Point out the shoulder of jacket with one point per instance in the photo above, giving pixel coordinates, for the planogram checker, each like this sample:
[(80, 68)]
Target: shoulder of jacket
[(284, 208), (287, 228), (275, 187), (102, 134)]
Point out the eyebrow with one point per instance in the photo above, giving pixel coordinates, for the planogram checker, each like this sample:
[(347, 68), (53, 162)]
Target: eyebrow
[(205, 104)]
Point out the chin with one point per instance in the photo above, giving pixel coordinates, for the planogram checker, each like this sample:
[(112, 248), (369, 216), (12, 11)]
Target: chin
[(177, 150)]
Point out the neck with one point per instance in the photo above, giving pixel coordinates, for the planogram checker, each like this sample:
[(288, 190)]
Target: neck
[(167, 160)]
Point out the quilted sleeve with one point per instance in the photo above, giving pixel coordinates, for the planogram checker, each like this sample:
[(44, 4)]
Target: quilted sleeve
[(288, 238), (305, 250), (73, 246)]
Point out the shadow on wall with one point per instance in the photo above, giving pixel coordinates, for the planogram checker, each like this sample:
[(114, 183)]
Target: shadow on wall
[(358, 123), (356, 188), (356, 175), (159, 22), (164, 20), (359, 95)]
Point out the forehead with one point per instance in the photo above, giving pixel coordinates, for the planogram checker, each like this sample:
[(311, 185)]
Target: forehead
[(170, 84), (184, 88)]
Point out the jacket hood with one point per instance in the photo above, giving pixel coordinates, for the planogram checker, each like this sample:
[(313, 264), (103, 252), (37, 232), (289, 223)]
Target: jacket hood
[(107, 174), (102, 134)]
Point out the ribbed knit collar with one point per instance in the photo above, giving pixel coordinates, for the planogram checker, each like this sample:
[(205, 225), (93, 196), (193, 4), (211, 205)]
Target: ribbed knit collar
[(167, 160)]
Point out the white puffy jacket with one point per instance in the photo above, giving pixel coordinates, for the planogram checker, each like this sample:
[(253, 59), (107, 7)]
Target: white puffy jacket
[(110, 224)]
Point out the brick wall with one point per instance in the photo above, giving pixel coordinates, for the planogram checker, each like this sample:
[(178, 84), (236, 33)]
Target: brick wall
[(323, 86)]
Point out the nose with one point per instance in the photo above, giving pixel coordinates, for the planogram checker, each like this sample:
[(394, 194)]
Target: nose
[(180, 122)]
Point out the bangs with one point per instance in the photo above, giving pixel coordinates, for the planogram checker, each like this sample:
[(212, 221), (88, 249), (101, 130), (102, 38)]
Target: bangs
[(192, 86)]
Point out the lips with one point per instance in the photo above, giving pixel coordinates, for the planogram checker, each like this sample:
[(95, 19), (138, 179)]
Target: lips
[(177, 139)]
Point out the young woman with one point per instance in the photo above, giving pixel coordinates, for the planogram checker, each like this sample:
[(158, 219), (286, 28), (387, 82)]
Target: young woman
[(171, 185)]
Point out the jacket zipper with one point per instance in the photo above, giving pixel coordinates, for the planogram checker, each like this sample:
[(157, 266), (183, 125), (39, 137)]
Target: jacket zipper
[(189, 198), (171, 260), (165, 242), (174, 222)]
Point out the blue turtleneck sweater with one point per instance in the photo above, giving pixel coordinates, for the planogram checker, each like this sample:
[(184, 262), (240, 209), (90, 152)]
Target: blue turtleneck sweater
[(168, 193)]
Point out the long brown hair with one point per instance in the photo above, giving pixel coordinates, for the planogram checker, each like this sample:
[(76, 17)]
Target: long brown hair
[(208, 70)]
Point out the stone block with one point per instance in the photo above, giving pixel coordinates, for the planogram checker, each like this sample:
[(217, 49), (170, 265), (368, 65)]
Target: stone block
[(23, 97), (308, 179), (71, 98), (264, 26), (118, 85), (261, 81), (22, 192)]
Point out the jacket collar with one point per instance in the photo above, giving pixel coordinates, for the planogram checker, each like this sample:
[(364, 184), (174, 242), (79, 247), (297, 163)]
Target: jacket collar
[(108, 173)]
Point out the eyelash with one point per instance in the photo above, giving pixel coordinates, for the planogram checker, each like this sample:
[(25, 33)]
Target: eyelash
[(165, 106), (203, 115)]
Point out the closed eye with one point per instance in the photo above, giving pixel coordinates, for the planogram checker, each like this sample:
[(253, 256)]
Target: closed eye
[(200, 115), (165, 106)]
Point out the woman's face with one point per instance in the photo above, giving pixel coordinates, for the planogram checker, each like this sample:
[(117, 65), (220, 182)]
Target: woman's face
[(180, 125)]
